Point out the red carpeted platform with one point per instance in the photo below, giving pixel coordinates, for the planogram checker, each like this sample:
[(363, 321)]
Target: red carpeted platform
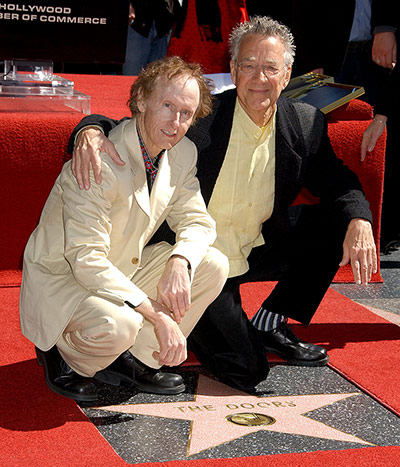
[(40, 428)]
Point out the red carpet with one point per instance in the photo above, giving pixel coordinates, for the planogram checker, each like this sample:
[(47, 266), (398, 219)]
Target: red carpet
[(40, 428)]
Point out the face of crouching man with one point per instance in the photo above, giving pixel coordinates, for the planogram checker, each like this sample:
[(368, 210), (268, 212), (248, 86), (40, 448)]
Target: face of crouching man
[(168, 96)]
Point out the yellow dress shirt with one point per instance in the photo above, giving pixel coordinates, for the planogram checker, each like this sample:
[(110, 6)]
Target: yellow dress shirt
[(243, 196)]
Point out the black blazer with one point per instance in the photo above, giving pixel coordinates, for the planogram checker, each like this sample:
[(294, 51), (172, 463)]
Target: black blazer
[(304, 158)]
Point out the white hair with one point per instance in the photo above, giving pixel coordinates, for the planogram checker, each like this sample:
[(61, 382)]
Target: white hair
[(263, 26)]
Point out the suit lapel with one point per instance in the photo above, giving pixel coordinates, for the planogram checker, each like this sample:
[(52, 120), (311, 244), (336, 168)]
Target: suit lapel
[(139, 180), (153, 206), (164, 185), (287, 159)]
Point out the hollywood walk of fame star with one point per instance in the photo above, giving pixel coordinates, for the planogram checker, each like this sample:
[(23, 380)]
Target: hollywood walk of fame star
[(215, 403)]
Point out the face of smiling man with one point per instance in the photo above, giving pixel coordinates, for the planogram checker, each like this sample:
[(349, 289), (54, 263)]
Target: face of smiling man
[(167, 114), (257, 92)]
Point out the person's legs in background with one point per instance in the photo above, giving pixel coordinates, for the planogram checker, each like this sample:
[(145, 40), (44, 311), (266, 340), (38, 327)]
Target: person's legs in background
[(137, 52), (142, 50), (390, 222), (159, 47)]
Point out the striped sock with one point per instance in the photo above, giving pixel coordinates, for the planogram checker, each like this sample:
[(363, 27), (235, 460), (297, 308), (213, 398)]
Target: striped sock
[(265, 320)]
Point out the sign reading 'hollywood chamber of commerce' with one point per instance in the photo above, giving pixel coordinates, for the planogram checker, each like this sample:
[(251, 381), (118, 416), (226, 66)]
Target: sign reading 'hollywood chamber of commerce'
[(64, 30)]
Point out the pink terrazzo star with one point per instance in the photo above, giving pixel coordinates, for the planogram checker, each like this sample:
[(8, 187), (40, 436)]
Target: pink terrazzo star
[(214, 402)]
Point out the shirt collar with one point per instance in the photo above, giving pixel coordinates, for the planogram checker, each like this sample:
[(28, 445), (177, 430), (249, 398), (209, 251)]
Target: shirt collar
[(248, 125)]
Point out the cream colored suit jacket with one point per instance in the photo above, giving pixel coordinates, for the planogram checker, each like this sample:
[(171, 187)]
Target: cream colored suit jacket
[(93, 242)]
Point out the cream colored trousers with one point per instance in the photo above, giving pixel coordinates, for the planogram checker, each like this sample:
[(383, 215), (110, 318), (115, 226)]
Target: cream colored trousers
[(101, 330)]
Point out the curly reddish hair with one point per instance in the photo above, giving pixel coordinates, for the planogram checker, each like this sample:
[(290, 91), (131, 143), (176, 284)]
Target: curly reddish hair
[(170, 67)]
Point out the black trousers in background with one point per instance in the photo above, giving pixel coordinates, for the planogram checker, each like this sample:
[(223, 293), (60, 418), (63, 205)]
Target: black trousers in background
[(390, 221), (304, 261)]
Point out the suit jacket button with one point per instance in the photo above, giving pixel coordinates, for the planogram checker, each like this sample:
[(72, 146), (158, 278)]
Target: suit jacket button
[(135, 260)]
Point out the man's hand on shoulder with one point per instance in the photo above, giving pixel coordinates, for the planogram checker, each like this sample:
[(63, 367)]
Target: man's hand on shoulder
[(90, 142), (359, 249)]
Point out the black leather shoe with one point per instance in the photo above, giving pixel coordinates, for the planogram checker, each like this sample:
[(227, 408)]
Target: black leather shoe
[(282, 342), (129, 369), (62, 379)]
